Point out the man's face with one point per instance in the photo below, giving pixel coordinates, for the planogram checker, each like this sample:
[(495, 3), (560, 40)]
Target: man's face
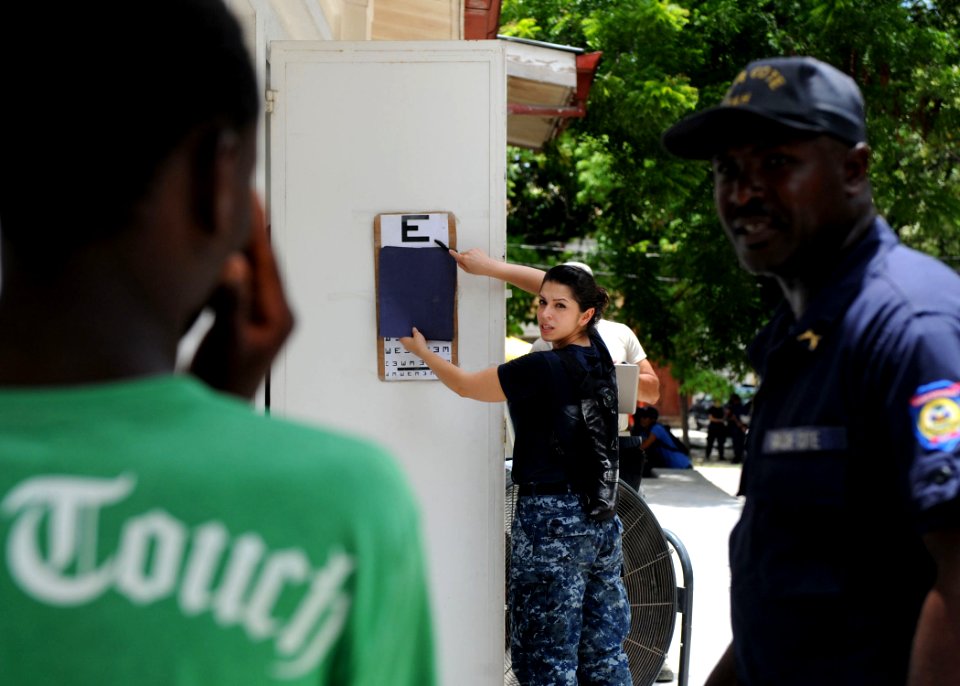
[(783, 203)]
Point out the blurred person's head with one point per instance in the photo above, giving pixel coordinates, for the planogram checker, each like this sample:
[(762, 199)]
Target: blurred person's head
[(122, 87), (647, 415)]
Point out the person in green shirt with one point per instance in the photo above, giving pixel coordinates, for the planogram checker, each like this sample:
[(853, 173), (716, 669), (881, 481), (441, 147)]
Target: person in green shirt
[(154, 529)]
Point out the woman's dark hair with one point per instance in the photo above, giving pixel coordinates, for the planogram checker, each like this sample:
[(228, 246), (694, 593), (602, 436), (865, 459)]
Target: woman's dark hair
[(583, 287)]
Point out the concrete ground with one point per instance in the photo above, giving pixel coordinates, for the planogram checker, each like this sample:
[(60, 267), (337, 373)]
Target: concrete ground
[(700, 507)]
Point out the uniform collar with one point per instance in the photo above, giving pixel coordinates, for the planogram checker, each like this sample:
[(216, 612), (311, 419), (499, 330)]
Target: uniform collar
[(830, 304)]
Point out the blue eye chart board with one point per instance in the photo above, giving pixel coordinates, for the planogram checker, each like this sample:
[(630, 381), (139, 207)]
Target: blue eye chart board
[(416, 285)]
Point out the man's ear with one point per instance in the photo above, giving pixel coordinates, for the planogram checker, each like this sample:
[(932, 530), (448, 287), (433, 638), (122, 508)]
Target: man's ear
[(856, 166), (216, 167), (231, 189)]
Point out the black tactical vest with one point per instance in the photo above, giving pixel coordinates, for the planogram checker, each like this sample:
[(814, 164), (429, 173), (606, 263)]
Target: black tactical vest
[(585, 435)]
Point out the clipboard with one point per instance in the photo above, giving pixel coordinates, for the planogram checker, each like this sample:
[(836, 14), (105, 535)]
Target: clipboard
[(394, 234)]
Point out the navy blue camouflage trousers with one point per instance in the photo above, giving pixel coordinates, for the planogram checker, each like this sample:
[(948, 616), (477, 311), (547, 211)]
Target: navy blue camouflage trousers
[(569, 612)]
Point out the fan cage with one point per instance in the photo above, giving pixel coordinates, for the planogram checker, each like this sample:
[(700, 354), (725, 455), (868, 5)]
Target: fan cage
[(649, 578)]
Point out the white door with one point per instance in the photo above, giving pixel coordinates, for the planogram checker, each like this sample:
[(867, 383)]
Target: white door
[(359, 129)]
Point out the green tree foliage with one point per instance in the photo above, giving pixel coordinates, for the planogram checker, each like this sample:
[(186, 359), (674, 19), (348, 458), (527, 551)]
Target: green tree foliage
[(653, 231)]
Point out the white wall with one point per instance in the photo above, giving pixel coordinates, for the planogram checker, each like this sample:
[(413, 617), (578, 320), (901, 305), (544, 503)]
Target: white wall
[(364, 128)]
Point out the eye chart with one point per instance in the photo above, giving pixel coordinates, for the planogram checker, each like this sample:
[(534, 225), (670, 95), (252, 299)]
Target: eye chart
[(416, 286)]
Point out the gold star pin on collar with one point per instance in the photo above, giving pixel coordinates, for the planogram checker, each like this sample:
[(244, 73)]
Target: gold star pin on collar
[(812, 339)]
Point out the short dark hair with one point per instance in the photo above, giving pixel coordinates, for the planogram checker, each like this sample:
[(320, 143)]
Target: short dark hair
[(647, 411), (583, 287), (102, 98)]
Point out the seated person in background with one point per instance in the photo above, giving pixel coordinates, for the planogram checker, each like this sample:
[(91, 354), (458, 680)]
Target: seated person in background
[(662, 448)]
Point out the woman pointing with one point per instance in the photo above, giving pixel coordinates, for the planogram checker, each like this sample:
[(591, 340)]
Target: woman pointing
[(568, 606)]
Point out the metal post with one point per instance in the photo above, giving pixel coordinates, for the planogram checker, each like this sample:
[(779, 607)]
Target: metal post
[(684, 605)]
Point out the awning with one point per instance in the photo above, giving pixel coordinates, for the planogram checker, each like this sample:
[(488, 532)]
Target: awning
[(547, 85)]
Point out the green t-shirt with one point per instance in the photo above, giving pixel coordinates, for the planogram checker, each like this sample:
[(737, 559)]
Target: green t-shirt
[(155, 532)]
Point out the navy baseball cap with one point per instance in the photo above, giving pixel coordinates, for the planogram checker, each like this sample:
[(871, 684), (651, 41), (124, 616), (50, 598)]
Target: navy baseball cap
[(774, 96)]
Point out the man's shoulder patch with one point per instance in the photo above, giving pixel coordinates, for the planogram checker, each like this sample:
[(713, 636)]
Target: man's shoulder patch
[(936, 412)]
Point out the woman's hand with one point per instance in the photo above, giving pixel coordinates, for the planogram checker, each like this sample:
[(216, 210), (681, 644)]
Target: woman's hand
[(483, 385), (475, 261), (415, 343)]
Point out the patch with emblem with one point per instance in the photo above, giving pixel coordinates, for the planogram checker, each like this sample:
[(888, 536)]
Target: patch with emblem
[(936, 413)]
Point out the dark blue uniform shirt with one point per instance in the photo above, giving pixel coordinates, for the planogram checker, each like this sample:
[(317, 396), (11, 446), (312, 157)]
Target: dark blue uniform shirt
[(853, 455), (537, 387)]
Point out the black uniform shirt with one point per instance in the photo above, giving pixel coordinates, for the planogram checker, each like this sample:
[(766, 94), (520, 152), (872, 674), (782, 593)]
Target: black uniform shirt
[(537, 387)]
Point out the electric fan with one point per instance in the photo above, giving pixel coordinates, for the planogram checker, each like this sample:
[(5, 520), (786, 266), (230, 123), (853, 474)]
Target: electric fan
[(648, 576)]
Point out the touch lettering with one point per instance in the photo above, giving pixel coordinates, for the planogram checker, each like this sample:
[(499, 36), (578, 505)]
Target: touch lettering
[(51, 554)]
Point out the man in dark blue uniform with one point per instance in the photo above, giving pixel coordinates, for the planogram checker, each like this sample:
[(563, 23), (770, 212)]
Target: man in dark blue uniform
[(846, 561)]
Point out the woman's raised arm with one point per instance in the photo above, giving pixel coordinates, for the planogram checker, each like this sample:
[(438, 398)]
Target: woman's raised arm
[(475, 261)]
